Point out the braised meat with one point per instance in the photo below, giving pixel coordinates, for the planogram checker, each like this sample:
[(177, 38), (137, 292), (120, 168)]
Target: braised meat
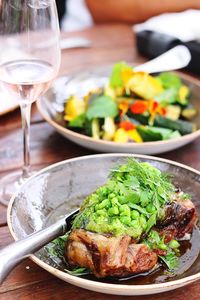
[(136, 218), (107, 255), (180, 218)]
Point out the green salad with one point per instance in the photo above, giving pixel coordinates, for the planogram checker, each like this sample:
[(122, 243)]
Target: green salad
[(133, 107)]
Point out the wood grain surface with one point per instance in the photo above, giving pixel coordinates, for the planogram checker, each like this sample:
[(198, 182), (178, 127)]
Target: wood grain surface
[(110, 43)]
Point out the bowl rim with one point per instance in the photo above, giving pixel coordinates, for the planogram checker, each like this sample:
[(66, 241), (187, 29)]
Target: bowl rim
[(131, 146), (95, 284)]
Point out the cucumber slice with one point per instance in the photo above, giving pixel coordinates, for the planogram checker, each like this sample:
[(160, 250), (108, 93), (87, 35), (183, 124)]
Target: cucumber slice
[(184, 127)]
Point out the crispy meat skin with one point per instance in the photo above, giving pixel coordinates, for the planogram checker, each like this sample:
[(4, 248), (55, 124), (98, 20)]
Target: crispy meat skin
[(108, 255), (180, 218)]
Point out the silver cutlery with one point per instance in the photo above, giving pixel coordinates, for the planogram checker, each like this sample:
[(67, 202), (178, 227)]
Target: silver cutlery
[(14, 253)]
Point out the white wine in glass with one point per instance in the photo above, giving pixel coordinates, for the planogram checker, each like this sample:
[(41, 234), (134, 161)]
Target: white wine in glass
[(29, 62)]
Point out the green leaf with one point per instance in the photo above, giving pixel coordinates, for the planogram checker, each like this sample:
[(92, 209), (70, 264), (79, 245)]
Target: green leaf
[(169, 80), (145, 198), (102, 107), (156, 201), (155, 241), (56, 248), (133, 197), (116, 78), (132, 182), (138, 208), (78, 271), (171, 260), (167, 97), (154, 237), (151, 222), (171, 83)]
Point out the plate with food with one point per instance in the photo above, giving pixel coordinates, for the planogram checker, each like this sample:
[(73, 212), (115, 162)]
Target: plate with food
[(116, 109), (136, 231)]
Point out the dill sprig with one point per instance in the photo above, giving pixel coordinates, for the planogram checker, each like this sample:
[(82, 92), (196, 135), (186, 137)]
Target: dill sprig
[(149, 178)]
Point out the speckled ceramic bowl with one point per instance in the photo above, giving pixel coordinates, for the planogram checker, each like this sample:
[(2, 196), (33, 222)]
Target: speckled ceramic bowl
[(59, 188)]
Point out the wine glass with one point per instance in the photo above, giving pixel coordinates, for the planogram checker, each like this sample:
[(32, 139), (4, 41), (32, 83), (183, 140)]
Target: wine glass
[(29, 62)]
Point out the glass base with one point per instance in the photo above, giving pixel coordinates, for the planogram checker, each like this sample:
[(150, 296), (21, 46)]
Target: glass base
[(9, 184)]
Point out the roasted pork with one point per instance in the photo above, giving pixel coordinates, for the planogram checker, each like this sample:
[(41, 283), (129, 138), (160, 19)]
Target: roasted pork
[(180, 218), (106, 255)]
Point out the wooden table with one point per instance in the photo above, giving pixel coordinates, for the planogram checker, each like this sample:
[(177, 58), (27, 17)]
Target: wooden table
[(110, 43)]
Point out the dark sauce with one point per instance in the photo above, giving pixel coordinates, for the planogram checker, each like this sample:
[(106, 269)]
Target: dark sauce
[(189, 253)]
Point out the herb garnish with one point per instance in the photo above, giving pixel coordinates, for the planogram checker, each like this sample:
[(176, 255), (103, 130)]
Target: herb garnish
[(134, 187), (170, 251)]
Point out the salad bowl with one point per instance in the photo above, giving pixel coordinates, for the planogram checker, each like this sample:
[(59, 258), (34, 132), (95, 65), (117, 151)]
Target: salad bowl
[(52, 105), (60, 188)]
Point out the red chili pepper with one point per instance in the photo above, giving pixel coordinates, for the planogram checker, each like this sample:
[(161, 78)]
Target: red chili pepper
[(155, 105), (138, 107), (163, 111), (126, 125)]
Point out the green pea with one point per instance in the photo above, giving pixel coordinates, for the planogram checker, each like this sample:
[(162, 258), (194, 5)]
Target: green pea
[(114, 201), (125, 220), (150, 208), (135, 214), (104, 203), (125, 210), (113, 211), (111, 195), (101, 212), (174, 244), (135, 224)]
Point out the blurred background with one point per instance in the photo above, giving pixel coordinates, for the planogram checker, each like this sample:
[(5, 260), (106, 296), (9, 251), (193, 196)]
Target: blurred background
[(158, 25)]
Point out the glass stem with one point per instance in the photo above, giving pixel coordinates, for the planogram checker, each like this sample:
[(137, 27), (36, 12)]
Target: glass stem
[(26, 114)]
